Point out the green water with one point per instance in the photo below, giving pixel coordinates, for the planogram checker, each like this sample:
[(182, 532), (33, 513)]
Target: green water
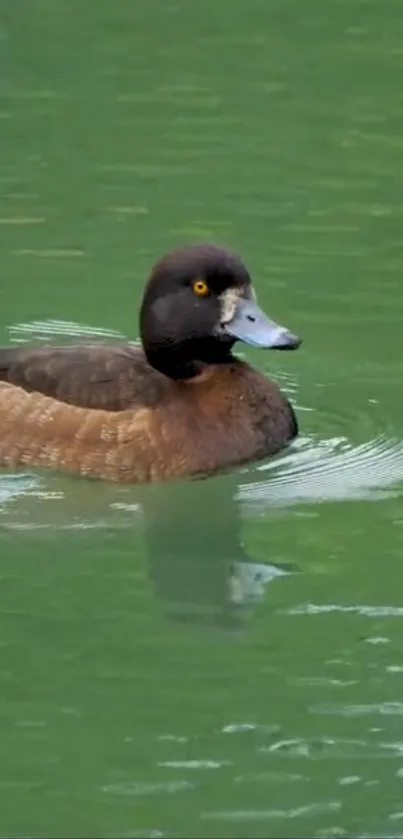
[(219, 659)]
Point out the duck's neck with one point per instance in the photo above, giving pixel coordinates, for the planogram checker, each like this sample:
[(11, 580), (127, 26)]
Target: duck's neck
[(176, 363)]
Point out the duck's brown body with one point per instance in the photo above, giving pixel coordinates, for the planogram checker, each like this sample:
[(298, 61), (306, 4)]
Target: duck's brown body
[(149, 427)]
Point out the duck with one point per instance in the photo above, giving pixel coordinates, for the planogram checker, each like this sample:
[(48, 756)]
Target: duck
[(179, 405)]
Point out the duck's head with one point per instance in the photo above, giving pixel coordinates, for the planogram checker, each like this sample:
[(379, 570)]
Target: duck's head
[(197, 302)]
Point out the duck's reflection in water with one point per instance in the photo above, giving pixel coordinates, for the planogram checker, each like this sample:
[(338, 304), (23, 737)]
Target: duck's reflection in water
[(199, 567)]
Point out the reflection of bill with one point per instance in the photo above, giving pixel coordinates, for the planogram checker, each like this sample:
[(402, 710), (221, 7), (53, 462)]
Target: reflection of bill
[(194, 548), (248, 580)]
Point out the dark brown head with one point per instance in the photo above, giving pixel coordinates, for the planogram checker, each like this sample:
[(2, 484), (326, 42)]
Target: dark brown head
[(198, 301)]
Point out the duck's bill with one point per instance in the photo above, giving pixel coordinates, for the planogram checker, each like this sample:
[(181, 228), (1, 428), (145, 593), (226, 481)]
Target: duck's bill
[(251, 325)]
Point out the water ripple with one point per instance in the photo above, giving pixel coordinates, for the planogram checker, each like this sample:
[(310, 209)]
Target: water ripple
[(388, 709), (367, 611), (147, 788), (194, 764), (43, 330), (316, 747), (256, 815), (329, 470)]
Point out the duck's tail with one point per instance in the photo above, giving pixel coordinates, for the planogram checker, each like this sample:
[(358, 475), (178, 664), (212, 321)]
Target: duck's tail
[(8, 359)]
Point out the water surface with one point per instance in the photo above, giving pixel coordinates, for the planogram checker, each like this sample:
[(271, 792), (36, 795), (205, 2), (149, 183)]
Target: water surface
[(221, 658)]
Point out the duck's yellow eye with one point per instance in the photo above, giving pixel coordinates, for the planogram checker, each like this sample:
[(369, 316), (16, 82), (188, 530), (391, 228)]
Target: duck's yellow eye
[(200, 287)]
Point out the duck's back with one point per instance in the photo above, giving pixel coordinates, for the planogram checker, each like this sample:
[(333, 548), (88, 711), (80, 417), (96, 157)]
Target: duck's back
[(111, 377)]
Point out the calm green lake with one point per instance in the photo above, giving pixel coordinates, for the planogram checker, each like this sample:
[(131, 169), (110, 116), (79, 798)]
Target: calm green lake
[(221, 658)]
